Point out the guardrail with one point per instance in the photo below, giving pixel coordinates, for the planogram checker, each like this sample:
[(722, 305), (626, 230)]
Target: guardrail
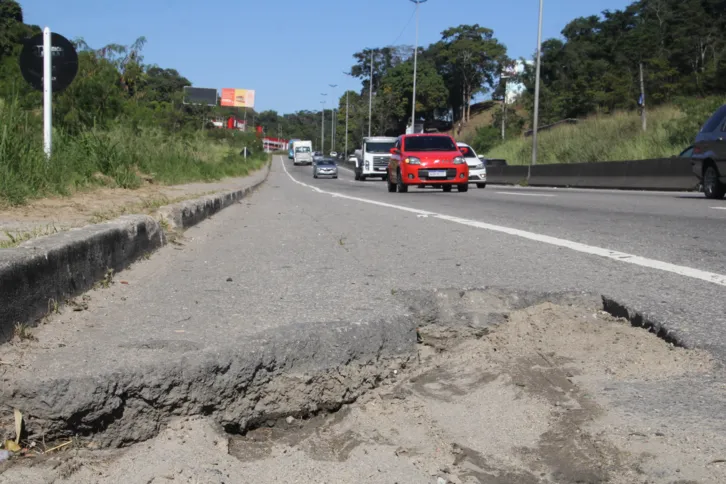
[(667, 174), (658, 174)]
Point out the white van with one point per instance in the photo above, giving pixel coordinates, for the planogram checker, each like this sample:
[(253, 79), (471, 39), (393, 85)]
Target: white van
[(302, 153)]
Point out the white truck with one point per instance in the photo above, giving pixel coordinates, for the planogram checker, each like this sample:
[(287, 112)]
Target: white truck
[(372, 159), (302, 152)]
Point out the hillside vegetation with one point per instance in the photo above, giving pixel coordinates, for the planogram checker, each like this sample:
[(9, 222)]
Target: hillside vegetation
[(614, 137)]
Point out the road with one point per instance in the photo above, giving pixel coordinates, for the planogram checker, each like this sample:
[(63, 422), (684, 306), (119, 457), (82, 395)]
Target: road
[(306, 266), (306, 250)]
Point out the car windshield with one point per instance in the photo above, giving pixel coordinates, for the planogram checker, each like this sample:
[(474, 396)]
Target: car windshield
[(379, 147), (429, 143), (303, 149), (326, 162), (468, 153)]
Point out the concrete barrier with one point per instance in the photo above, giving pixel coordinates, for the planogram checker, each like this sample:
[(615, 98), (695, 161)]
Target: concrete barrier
[(657, 174)]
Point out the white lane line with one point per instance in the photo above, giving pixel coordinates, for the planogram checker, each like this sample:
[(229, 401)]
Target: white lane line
[(637, 260), (719, 208), (527, 194)]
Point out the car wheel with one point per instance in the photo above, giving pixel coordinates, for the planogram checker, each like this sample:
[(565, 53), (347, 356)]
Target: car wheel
[(335, 176), (463, 188), (402, 187), (391, 185), (447, 188), (712, 187), (362, 178), (481, 185)]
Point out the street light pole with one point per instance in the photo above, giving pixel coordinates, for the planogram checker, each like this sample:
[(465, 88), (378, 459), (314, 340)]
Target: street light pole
[(322, 127), (415, 67), (370, 98), (347, 95), (536, 90), (333, 121)]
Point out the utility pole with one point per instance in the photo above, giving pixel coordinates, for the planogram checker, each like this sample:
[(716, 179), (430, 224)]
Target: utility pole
[(322, 129), (322, 132), (504, 78), (370, 98), (334, 121), (347, 106), (643, 116), (536, 91), (415, 68)]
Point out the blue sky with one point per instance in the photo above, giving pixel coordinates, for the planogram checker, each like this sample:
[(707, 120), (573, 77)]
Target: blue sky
[(289, 51)]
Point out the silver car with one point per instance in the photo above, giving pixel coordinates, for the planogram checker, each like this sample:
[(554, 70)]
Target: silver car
[(325, 167)]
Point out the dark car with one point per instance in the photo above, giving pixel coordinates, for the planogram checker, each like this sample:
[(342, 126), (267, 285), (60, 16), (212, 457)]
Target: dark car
[(709, 155), (325, 167)]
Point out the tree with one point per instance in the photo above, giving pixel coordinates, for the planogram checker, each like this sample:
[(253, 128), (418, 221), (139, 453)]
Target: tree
[(470, 59)]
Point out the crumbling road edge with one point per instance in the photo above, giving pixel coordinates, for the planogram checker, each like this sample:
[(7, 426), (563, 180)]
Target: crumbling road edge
[(42, 273)]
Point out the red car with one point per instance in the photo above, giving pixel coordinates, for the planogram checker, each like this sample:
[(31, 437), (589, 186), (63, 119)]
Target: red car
[(427, 159)]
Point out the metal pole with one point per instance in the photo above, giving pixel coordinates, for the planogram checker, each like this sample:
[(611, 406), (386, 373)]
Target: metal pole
[(322, 130), (347, 95), (415, 68), (504, 110), (536, 90), (334, 121), (370, 98), (643, 117), (47, 93)]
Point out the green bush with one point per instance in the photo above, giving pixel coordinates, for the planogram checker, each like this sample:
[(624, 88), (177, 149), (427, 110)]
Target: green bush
[(119, 156)]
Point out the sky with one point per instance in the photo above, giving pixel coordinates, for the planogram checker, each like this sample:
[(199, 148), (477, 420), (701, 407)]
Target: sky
[(290, 51)]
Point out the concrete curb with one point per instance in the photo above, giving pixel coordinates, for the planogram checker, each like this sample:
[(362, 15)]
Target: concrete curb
[(50, 270), (190, 212), (61, 266)]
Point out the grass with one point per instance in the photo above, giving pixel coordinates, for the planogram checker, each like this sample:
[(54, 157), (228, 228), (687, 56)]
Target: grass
[(23, 333), (15, 238), (121, 156), (614, 137)]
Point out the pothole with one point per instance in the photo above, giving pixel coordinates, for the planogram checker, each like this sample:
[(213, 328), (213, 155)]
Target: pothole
[(501, 388)]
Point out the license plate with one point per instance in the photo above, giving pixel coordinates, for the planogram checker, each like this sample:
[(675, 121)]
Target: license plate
[(437, 174)]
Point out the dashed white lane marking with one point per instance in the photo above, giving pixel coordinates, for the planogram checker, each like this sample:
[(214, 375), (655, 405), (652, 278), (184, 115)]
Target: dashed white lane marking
[(719, 208), (637, 260), (527, 194)]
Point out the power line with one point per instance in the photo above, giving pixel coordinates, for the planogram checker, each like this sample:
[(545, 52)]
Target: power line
[(413, 13)]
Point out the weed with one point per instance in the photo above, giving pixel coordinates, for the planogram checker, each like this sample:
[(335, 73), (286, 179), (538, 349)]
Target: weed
[(53, 306), (23, 333), (107, 280), (13, 239)]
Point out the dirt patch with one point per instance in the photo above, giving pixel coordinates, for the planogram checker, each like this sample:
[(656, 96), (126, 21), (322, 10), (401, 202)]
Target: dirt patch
[(552, 393), (54, 214)]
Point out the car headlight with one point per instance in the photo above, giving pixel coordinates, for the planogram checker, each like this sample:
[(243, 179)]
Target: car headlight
[(478, 166), (412, 160), (459, 160)]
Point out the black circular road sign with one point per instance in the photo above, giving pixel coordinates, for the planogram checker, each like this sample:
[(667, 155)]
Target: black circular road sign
[(64, 62)]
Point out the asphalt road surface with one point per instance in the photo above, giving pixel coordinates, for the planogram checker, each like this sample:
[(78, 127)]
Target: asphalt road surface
[(319, 251)]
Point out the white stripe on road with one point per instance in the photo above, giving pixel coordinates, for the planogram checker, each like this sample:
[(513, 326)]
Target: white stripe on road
[(527, 194), (719, 208), (711, 277)]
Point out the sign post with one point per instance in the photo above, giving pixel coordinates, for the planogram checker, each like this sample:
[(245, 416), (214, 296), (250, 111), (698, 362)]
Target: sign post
[(49, 63), (47, 93)]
